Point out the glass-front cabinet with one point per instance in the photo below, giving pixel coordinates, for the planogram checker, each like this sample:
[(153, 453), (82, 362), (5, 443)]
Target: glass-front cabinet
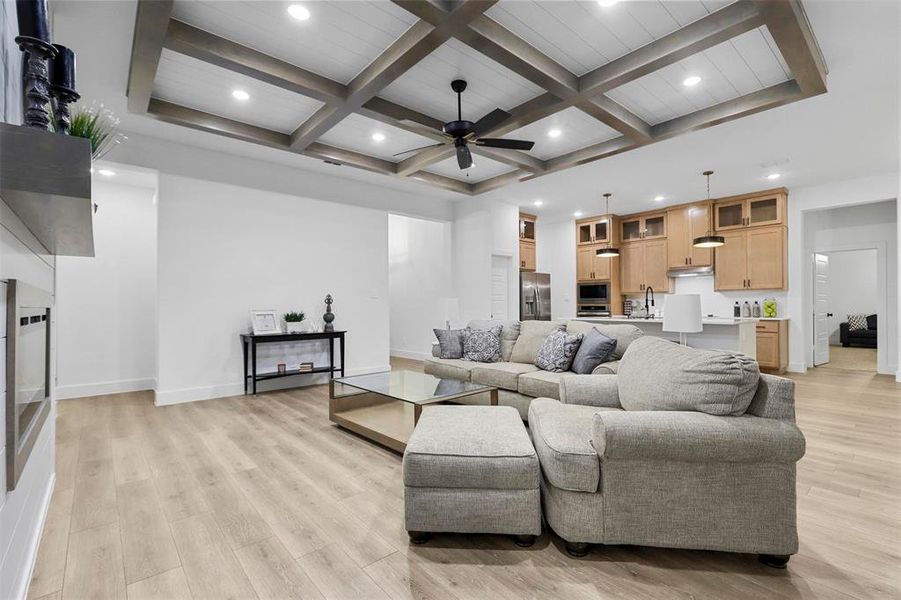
[(751, 211), (527, 227), (593, 231), (644, 227)]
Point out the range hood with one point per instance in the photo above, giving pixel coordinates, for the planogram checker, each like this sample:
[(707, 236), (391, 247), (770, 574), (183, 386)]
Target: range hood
[(45, 178), (689, 271)]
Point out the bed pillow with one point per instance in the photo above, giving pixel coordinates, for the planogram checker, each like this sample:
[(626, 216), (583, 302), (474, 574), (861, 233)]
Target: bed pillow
[(557, 352), (596, 348), (450, 343), (482, 345)]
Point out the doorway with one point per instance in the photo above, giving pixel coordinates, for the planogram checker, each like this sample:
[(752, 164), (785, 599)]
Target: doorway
[(846, 309)]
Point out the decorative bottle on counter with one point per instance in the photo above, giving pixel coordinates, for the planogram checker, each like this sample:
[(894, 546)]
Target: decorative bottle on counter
[(746, 310), (756, 310), (736, 310)]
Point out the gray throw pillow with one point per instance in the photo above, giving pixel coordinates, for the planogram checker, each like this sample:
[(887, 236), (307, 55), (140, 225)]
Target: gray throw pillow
[(596, 348), (482, 345), (557, 352), (450, 343)]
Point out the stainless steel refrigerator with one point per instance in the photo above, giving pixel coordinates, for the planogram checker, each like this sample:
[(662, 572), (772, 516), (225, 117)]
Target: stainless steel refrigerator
[(534, 296)]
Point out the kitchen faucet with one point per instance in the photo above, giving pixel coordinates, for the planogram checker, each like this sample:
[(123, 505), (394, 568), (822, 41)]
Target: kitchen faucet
[(647, 309)]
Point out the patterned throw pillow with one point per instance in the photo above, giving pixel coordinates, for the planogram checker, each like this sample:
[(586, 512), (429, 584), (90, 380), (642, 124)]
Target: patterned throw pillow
[(558, 350), (482, 345), (450, 343), (857, 322)]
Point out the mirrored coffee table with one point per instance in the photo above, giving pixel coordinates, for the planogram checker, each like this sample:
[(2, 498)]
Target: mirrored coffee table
[(385, 407)]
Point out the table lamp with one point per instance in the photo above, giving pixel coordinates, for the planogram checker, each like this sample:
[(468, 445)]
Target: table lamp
[(682, 314)]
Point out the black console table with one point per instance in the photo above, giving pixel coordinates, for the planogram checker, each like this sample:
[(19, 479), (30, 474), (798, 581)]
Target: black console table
[(250, 341)]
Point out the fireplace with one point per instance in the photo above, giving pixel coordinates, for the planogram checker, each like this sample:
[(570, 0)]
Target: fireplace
[(27, 373)]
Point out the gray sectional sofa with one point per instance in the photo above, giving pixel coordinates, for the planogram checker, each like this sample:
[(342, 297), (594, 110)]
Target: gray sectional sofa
[(517, 378)]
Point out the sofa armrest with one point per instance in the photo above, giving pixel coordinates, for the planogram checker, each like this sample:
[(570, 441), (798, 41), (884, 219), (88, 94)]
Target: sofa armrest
[(843, 332), (589, 390), (677, 436)]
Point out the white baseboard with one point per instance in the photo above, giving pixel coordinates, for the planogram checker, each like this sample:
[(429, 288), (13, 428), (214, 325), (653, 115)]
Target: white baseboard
[(225, 390), (796, 367), (898, 375), (411, 355), (64, 392), (35, 541)]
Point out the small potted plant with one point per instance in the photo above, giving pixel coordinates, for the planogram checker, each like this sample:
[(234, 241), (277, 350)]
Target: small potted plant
[(294, 322)]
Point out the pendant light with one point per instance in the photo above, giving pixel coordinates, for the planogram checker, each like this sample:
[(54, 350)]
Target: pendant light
[(709, 240), (608, 251)]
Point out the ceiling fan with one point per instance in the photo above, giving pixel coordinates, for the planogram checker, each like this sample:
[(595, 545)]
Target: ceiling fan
[(461, 133)]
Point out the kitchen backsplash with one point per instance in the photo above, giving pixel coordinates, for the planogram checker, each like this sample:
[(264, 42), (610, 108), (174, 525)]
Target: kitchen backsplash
[(719, 304)]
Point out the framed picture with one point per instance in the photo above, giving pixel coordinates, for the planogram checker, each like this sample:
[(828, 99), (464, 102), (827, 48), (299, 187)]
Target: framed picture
[(265, 321)]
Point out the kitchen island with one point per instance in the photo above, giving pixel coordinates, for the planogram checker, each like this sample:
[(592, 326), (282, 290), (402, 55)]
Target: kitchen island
[(720, 333)]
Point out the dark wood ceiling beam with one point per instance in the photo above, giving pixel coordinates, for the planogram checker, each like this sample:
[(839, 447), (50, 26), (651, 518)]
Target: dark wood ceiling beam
[(196, 43), (616, 116), (423, 159), (788, 24), (151, 22), (410, 48), (486, 185), (514, 158), (715, 28), (440, 181), (202, 121)]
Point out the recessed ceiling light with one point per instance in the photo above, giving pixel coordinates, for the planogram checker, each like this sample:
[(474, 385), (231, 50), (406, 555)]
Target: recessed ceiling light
[(607, 3), (240, 95), (554, 133), (658, 198), (106, 172), (691, 81), (378, 136), (773, 176), (577, 214), (299, 12), (537, 203)]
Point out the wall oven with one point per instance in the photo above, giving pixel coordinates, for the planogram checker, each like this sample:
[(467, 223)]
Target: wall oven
[(593, 300), (27, 373)]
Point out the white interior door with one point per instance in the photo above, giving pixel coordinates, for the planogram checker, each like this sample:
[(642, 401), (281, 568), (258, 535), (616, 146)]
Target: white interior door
[(500, 286), (820, 309)]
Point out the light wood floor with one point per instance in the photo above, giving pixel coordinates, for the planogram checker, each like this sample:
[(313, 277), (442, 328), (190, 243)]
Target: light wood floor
[(263, 498), (852, 358)]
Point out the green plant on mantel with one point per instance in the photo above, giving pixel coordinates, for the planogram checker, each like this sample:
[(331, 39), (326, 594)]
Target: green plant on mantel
[(294, 317), (98, 125)]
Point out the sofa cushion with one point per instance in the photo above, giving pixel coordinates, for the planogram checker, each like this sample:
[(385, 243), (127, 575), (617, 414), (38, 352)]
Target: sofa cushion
[(656, 374), (562, 437), (449, 368), (607, 368), (558, 350), (531, 336), (509, 333), (871, 322), (504, 375), (475, 447), (623, 333), (594, 350), (482, 345), (450, 343), (541, 384)]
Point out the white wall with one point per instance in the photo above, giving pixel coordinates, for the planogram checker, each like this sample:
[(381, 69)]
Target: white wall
[(852, 288), (107, 304), (22, 511), (10, 65), (225, 250), (869, 225), (483, 228), (419, 277)]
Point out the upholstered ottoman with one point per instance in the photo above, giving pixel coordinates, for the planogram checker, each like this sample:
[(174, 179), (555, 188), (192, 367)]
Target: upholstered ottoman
[(471, 469)]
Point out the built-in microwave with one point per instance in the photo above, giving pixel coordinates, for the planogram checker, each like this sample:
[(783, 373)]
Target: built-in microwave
[(594, 293)]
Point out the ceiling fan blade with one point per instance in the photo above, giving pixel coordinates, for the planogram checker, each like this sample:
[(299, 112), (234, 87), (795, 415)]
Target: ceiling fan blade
[(504, 143), (464, 157), (490, 121), (418, 149)]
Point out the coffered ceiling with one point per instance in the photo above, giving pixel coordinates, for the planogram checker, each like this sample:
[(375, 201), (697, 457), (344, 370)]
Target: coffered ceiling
[(359, 82)]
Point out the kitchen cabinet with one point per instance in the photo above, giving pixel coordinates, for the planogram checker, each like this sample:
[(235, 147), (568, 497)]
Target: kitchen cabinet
[(589, 266), (643, 227), (526, 256), (684, 224), (592, 231), (643, 264), (752, 259), (772, 345), (527, 227), (760, 209)]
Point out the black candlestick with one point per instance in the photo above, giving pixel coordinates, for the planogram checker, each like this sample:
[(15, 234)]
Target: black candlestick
[(32, 16), (37, 93), (62, 86)]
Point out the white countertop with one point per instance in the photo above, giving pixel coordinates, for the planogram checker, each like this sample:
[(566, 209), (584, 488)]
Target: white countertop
[(704, 320)]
